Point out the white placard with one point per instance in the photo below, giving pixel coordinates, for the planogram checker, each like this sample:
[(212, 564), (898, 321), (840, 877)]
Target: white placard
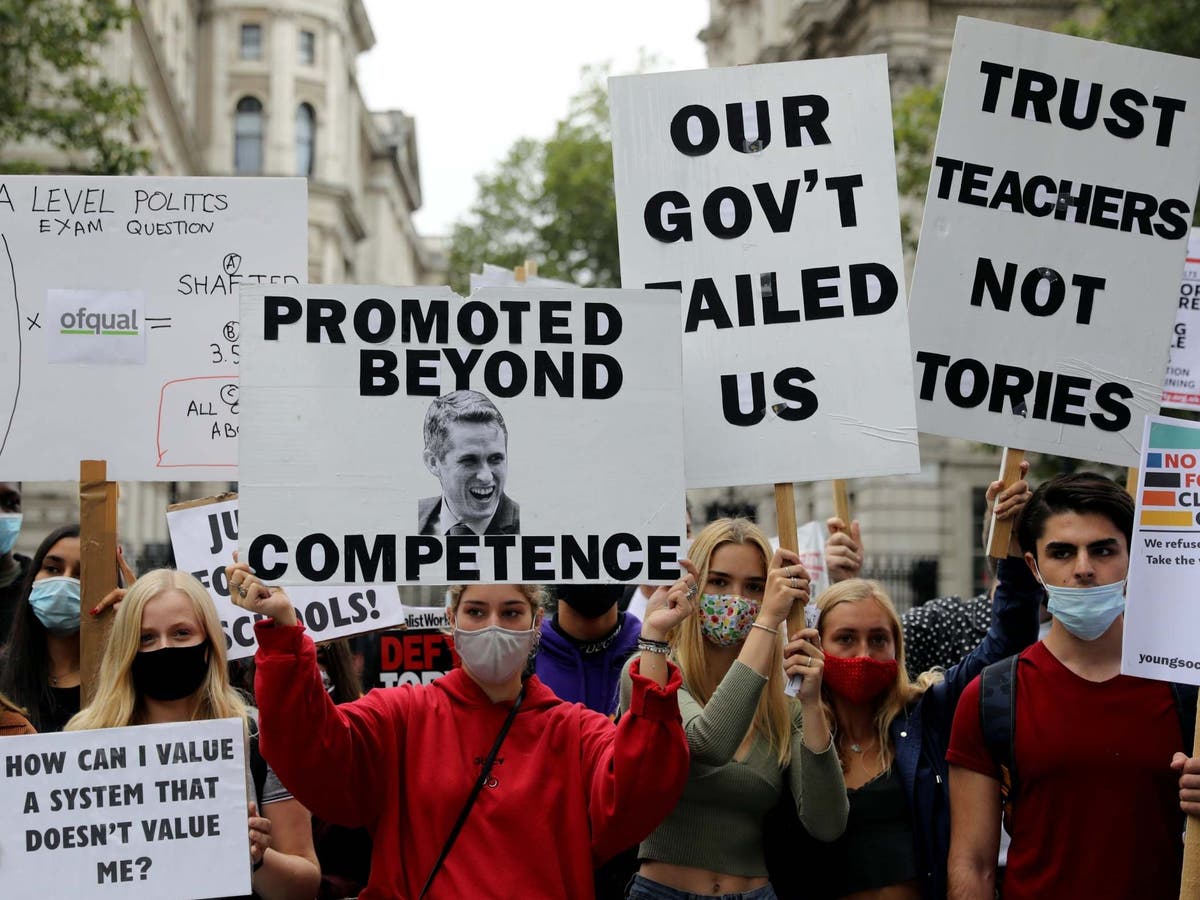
[(1181, 386), (339, 485), (155, 811), (1162, 621), (204, 536), (767, 195), (1055, 228), (167, 412), (498, 276)]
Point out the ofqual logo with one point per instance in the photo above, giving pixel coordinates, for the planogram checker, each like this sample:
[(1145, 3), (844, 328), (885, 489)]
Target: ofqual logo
[(109, 324)]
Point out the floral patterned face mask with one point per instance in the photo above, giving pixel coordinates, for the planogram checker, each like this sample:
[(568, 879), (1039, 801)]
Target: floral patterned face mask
[(726, 619)]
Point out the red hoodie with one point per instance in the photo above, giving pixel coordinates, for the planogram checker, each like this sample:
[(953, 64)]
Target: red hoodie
[(568, 790)]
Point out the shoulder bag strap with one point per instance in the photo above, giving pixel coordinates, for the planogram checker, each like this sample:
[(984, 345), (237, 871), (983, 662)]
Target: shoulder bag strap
[(479, 783)]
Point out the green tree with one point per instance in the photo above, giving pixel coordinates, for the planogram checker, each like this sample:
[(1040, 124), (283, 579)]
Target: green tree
[(915, 118), (51, 88), (551, 201), (1170, 26)]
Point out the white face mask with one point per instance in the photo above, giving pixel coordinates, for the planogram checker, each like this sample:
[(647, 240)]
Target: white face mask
[(494, 654)]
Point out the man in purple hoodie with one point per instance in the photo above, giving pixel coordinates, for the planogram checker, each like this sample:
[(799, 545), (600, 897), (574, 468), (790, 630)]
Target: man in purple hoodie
[(585, 644)]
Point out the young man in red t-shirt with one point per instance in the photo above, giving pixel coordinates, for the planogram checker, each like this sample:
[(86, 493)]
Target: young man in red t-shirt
[(1098, 813)]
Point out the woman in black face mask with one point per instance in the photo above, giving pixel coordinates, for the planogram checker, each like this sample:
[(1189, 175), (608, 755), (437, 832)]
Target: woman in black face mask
[(165, 662)]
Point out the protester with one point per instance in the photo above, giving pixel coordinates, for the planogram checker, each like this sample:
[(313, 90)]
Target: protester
[(13, 566), (165, 662), (1081, 736), (940, 632), (12, 719), (746, 738), (891, 739), (585, 644), (566, 789), (39, 670)]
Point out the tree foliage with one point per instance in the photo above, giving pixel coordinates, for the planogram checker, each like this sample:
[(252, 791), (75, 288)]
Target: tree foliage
[(915, 118), (551, 201), (1169, 26), (51, 87)]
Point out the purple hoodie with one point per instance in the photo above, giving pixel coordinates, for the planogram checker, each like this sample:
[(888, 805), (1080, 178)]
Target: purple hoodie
[(591, 678)]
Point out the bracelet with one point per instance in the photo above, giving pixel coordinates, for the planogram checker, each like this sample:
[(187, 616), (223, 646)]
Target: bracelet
[(653, 646), (766, 628)]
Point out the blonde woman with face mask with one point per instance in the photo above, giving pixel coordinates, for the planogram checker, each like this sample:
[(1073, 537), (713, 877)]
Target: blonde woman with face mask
[(749, 742), (483, 783)]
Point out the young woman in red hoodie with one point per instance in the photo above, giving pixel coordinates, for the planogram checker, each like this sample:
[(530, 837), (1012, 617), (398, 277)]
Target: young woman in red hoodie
[(568, 789)]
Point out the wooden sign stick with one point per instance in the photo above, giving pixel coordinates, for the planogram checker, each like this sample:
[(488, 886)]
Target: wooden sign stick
[(97, 567), (1000, 530), (841, 501), (785, 513)]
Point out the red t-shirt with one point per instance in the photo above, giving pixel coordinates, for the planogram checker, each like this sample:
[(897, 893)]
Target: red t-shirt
[(1098, 814)]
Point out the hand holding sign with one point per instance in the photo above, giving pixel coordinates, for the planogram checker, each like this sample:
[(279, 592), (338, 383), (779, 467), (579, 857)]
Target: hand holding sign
[(249, 593), (260, 836), (787, 585), (1006, 503), (843, 550), (668, 606)]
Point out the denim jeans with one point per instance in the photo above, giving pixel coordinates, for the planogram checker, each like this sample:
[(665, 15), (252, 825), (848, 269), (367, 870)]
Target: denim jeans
[(645, 889)]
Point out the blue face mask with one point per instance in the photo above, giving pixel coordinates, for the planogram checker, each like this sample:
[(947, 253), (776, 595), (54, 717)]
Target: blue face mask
[(55, 602), (1087, 612), (10, 527)]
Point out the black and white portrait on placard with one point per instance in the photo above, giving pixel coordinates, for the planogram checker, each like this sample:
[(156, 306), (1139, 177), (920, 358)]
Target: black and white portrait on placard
[(466, 449)]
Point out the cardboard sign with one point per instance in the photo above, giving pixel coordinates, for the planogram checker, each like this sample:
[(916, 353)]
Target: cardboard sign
[(767, 195), (204, 535), (119, 294), (1181, 387), (420, 653), (1162, 622), (155, 811), (408, 435), (1060, 200)]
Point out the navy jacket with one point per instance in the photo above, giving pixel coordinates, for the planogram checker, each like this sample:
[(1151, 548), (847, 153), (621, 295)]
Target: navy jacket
[(921, 736)]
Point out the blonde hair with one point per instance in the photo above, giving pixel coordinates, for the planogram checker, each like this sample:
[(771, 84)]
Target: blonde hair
[(773, 717), (903, 692), (116, 703)]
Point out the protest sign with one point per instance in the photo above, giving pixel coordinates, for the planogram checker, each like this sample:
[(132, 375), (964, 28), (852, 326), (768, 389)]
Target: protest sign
[(1055, 227), (156, 811), (204, 534), (408, 435), (767, 196), (420, 653), (1162, 622), (119, 293), (1181, 387)]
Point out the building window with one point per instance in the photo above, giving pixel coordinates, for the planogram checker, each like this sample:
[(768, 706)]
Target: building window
[(306, 139), (248, 137), (308, 48), (251, 45)]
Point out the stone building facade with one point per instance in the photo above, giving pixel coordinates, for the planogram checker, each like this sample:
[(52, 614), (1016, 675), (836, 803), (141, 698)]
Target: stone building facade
[(254, 88)]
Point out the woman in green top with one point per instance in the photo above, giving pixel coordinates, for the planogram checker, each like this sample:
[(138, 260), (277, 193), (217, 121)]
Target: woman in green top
[(744, 734)]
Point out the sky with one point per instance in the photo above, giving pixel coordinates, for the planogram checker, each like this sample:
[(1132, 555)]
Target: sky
[(479, 74)]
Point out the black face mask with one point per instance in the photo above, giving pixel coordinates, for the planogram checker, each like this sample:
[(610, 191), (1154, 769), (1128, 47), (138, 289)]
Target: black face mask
[(590, 600), (171, 673)]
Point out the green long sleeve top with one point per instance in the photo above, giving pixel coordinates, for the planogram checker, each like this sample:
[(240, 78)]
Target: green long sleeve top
[(718, 824)]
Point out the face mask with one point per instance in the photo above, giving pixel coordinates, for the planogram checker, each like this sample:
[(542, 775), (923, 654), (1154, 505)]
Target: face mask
[(859, 678), (1087, 612), (494, 654), (10, 527), (726, 619), (171, 673), (592, 600), (55, 602)]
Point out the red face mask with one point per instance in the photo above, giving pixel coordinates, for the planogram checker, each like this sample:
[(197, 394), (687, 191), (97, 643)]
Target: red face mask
[(859, 678)]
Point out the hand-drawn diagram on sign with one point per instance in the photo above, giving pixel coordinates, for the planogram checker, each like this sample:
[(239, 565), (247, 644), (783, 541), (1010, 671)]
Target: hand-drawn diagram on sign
[(183, 245)]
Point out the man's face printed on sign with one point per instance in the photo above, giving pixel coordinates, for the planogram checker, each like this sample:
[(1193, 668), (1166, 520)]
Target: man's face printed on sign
[(472, 470)]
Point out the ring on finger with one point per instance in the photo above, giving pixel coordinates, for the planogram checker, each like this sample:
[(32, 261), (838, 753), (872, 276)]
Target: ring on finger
[(691, 591), (793, 581), (809, 663), (241, 588)]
